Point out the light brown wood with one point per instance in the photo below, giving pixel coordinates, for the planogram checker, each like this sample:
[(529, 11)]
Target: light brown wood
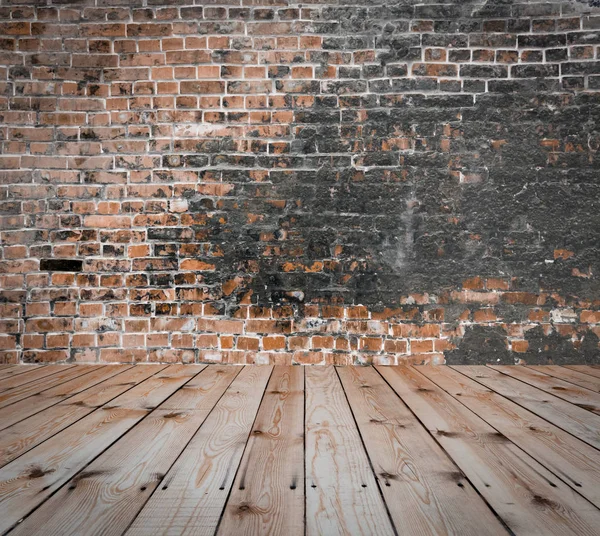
[(30, 374), (11, 371), (152, 449), (581, 423), (29, 406), (529, 498), (572, 376), (115, 486), (33, 388), (571, 460), (591, 370), (584, 398), (268, 492), (24, 435), (196, 487), (341, 493), (424, 490), (27, 481)]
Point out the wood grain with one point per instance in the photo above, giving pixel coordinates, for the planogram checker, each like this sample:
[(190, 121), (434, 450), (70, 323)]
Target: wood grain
[(27, 481), (579, 396), (26, 434), (424, 490), (31, 374), (591, 370), (29, 406), (36, 387), (529, 498), (268, 493), (571, 460), (11, 371), (568, 375), (189, 449), (342, 496), (115, 486), (196, 487), (575, 420)]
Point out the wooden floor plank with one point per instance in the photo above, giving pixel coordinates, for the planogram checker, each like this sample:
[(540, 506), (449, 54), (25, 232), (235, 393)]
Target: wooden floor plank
[(584, 398), (342, 496), (92, 451), (268, 493), (573, 419), (30, 406), (24, 435), (27, 481), (10, 371), (424, 490), (572, 376), (195, 489), (120, 480), (31, 374), (528, 498), (591, 370), (573, 461), (35, 387)]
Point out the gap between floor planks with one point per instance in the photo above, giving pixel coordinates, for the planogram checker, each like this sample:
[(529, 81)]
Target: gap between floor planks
[(352, 442)]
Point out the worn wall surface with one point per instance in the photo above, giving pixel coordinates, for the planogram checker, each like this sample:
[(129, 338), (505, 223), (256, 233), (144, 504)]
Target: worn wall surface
[(264, 181)]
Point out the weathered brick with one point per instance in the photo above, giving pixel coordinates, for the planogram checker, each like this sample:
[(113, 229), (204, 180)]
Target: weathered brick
[(284, 184)]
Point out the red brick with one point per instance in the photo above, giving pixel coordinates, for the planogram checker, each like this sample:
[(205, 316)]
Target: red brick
[(273, 343), (434, 69), (394, 346), (209, 341), (420, 346), (203, 87), (298, 343), (220, 326), (8, 342), (148, 30), (475, 283), (496, 284), (268, 326), (247, 343), (519, 346), (371, 344), (484, 315), (416, 330), (322, 342), (44, 325), (359, 311), (123, 355), (308, 358), (590, 317), (526, 298)]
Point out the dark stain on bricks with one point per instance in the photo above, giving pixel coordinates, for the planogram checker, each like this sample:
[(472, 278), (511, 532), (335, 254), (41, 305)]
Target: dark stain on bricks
[(61, 265), (480, 340)]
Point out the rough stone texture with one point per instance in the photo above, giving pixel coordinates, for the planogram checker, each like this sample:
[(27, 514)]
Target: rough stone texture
[(262, 181)]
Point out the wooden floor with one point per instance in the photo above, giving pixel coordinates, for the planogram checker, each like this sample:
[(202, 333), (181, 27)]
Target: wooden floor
[(196, 449)]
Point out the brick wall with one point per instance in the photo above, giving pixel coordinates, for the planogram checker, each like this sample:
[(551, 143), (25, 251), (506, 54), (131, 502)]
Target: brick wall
[(263, 181)]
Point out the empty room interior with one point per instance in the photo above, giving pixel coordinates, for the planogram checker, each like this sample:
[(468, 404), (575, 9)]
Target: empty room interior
[(300, 268)]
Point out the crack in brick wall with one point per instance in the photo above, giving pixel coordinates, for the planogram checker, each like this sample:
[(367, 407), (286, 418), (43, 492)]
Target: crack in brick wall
[(264, 181)]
